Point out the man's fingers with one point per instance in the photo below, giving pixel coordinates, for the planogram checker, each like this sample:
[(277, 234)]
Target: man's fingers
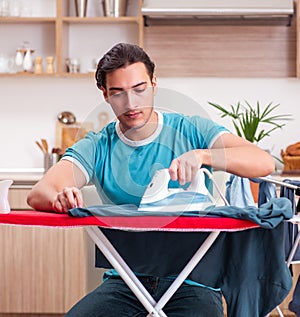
[(69, 194)]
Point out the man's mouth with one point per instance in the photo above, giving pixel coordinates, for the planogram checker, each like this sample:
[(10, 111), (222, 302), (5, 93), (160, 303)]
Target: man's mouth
[(132, 114)]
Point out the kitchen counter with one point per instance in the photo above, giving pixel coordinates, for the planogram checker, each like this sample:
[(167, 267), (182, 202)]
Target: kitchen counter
[(23, 180), (22, 176)]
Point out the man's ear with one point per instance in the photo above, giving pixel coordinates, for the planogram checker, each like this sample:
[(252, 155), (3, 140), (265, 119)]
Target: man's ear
[(104, 91), (154, 84)]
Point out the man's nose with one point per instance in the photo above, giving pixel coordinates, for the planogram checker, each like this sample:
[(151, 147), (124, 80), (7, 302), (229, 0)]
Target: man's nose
[(131, 100)]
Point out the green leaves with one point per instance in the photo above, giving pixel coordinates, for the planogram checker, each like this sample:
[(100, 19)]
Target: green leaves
[(247, 120)]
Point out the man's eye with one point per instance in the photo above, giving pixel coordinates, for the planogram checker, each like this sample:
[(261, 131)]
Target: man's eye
[(119, 94), (139, 90)]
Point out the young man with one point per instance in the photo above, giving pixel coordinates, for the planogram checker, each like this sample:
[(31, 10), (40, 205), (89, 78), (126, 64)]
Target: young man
[(121, 160)]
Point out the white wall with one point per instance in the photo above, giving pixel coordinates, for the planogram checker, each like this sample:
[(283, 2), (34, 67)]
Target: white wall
[(29, 107)]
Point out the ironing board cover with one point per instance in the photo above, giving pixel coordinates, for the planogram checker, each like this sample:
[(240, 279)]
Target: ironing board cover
[(49, 219)]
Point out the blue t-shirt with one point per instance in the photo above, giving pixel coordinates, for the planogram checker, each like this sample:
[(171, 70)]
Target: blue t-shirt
[(121, 168)]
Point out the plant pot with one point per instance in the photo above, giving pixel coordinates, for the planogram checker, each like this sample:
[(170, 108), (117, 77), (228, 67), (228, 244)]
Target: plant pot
[(254, 189)]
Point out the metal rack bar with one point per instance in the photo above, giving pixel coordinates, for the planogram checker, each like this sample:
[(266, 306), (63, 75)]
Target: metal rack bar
[(276, 182)]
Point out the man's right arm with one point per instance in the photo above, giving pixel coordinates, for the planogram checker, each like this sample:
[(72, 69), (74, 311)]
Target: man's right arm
[(59, 189)]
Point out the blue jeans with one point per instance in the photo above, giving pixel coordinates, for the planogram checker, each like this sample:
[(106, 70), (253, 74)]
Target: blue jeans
[(113, 298)]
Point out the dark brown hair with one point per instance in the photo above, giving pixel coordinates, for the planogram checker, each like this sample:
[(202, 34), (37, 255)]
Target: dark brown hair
[(121, 55)]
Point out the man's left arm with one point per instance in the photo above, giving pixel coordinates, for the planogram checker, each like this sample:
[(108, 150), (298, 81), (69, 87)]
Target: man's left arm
[(229, 153)]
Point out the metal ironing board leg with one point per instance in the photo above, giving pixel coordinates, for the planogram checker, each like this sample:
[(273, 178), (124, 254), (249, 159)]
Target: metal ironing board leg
[(125, 272), (187, 270), (154, 309)]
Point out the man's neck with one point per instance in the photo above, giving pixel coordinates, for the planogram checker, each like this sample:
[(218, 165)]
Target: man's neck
[(144, 132)]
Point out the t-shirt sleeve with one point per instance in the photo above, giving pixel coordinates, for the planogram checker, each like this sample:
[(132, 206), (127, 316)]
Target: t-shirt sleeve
[(83, 154), (207, 130)]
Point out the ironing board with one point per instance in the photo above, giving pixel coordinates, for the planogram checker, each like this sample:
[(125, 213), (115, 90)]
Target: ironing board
[(93, 226)]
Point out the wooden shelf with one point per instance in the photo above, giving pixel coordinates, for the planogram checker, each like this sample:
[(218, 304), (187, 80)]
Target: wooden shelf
[(58, 36), (27, 19), (101, 20), (26, 74)]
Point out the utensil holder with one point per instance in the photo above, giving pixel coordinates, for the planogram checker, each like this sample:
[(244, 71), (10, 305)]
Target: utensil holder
[(114, 8), (120, 8), (49, 160), (80, 8), (107, 8)]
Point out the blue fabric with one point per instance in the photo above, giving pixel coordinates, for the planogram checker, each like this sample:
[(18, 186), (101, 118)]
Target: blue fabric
[(268, 216), (238, 192), (121, 172), (267, 191)]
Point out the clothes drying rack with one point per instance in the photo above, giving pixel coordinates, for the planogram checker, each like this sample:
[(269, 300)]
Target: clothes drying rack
[(93, 225), (296, 241), (279, 183)]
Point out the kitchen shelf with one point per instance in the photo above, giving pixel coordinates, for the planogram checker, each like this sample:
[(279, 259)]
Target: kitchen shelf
[(26, 19), (248, 51), (67, 36), (26, 74), (101, 20), (77, 75)]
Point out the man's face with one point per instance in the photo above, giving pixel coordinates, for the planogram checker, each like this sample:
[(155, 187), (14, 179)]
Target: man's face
[(130, 93)]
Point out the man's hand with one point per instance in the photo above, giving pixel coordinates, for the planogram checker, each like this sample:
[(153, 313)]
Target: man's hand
[(59, 189), (185, 166), (69, 197)]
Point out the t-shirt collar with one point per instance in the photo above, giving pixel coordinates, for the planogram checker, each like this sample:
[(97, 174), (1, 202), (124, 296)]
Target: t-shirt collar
[(146, 141)]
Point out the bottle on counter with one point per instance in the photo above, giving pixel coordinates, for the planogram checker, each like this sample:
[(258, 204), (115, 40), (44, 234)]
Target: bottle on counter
[(27, 62), (38, 66), (49, 65)]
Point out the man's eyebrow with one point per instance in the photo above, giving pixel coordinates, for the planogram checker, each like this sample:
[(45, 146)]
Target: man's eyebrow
[(139, 84), (122, 89)]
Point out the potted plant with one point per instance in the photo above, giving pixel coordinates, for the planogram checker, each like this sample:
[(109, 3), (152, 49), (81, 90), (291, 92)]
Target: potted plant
[(253, 123), (248, 120)]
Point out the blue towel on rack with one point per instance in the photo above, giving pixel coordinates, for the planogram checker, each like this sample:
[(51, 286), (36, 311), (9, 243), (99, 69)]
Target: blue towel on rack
[(238, 192), (266, 191)]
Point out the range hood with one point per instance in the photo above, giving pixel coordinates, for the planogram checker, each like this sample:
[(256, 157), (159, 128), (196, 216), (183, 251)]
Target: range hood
[(217, 8)]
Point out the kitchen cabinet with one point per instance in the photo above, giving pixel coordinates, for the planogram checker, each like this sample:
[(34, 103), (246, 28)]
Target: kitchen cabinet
[(52, 29), (17, 197), (43, 270), (226, 51)]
